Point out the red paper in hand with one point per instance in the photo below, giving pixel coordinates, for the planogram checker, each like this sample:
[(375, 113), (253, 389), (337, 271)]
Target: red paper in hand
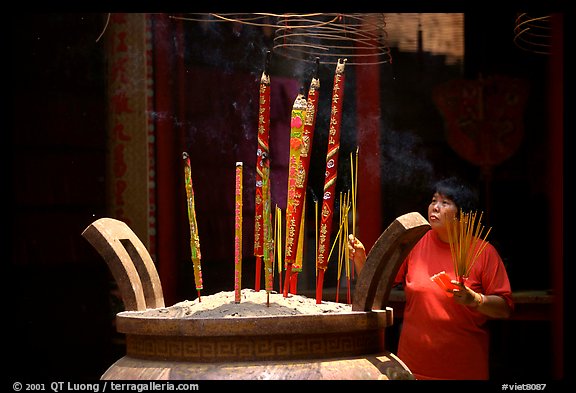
[(443, 281)]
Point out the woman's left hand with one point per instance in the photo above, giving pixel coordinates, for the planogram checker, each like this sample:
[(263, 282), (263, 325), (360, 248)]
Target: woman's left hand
[(464, 295)]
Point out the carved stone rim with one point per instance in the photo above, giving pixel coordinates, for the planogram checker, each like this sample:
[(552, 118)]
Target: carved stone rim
[(138, 323)]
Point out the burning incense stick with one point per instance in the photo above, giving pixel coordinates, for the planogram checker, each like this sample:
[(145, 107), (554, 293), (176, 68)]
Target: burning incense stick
[(238, 235), (297, 214), (298, 118), (268, 243), (262, 171), (330, 175), (194, 238), (354, 177)]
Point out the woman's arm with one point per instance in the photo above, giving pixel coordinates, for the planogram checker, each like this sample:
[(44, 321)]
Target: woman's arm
[(493, 306)]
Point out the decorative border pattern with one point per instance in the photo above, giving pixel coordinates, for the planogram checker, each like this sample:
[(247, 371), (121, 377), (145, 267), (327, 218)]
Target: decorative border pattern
[(249, 348)]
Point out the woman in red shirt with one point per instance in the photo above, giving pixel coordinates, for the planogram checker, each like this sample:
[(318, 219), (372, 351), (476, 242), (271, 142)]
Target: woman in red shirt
[(445, 337)]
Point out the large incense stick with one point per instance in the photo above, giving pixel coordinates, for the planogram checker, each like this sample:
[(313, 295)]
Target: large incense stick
[(330, 175), (297, 215), (262, 173), (293, 201), (238, 236), (194, 237), (268, 233)]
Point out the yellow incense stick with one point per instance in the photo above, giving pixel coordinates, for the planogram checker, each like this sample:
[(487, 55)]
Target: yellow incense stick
[(279, 237), (275, 235), (337, 236), (354, 181), (300, 248), (467, 241)]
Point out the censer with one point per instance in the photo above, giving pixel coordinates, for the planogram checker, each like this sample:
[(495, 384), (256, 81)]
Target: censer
[(162, 343)]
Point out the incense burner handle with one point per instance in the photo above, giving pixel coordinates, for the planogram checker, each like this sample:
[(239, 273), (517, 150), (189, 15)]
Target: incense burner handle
[(384, 259), (129, 262)]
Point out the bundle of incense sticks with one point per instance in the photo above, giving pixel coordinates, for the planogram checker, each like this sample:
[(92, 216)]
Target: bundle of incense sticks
[(467, 242)]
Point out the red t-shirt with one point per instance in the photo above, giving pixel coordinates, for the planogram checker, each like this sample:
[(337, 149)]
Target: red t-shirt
[(441, 339)]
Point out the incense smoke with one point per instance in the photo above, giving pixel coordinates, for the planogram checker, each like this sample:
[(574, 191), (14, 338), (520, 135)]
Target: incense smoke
[(403, 161)]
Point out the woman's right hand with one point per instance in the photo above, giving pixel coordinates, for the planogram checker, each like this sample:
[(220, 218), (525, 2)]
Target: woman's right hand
[(356, 252)]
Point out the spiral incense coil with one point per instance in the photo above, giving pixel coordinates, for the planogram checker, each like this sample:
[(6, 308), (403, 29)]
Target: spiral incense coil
[(327, 36), (533, 34), (357, 37)]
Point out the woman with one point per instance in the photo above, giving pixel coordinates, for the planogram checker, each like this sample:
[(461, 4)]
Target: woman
[(445, 337)]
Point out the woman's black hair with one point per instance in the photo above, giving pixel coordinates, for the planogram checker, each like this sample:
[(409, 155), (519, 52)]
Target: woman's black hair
[(459, 192)]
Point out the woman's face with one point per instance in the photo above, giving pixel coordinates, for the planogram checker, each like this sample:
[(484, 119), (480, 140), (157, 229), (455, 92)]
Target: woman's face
[(440, 211)]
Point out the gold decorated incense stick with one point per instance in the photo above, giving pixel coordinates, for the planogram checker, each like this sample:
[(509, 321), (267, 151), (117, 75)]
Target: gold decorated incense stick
[(330, 176), (238, 236), (262, 199), (194, 237), (268, 236), (316, 231), (303, 119), (297, 121), (467, 238), (297, 191)]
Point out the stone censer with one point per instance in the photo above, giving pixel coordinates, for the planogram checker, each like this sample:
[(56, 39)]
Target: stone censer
[(164, 344)]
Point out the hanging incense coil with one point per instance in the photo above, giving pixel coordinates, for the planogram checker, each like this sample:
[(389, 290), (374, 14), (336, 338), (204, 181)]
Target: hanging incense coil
[(326, 36), (357, 37), (533, 34)]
